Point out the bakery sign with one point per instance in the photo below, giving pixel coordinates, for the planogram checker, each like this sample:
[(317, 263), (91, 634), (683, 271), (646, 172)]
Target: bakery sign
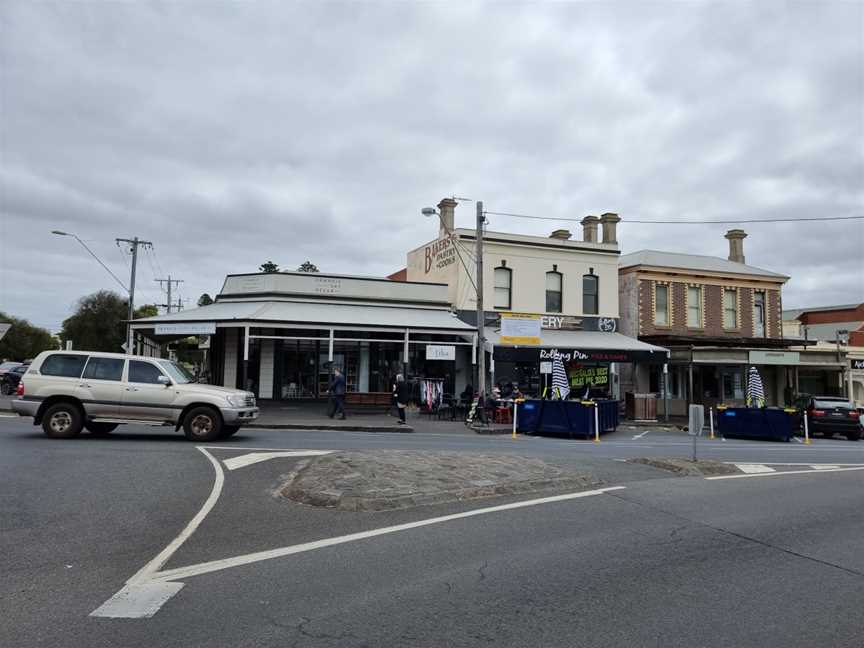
[(440, 254)]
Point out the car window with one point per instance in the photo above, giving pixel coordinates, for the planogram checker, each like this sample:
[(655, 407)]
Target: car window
[(8, 366), (177, 372), (61, 364), (828, 404), (104, 368), (143, 372)]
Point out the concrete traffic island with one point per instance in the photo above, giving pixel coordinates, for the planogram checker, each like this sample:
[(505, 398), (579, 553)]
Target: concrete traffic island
[(688, 467), (394, 479)]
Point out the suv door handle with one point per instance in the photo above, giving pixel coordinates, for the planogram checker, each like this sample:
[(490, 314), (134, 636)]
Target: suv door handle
[(131, 389), (85, 385)]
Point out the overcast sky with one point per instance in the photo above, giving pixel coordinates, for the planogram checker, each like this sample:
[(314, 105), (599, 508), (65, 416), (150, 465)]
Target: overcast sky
[(235, 132)]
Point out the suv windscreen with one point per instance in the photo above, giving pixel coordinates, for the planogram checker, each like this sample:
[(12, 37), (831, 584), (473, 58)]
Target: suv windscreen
[(61, 364), (143, 372), (104, 368), (830, 404), (178, 373)]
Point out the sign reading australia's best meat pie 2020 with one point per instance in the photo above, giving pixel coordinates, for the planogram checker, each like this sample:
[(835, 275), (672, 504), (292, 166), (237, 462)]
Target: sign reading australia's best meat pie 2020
[(440, 254)]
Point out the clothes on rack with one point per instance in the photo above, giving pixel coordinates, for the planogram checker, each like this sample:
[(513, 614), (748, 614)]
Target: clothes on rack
[(431, 392)]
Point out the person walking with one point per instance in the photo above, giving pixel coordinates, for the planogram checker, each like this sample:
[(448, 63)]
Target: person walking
[(337, 393), (403, 395)]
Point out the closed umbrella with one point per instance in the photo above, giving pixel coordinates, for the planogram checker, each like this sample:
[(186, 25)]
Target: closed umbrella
[(560, 383), (755, 390)]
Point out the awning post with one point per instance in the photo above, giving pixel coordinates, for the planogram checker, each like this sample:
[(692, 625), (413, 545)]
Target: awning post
[(330, 347)]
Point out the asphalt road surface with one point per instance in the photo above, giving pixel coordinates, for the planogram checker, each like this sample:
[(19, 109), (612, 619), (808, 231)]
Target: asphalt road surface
[(763, 560)]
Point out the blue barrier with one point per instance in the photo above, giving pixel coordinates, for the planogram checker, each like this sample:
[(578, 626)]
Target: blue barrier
[(757, 423), (566, 418)]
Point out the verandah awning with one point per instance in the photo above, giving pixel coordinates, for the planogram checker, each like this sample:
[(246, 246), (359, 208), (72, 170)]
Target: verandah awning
[(582, 345)]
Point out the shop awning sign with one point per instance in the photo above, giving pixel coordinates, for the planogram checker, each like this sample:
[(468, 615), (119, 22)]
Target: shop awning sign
[(856, 363), (440, 352), (774, 357), (192, 328), (520, 329)]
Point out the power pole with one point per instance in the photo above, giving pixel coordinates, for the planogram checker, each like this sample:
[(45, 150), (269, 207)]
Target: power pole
[(170, 282), (481, 315), (135, 243)]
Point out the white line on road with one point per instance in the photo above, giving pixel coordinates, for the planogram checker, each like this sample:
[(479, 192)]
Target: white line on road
[(639, 436), (753, 469), (218, 565), (788, 472), (242, 461)]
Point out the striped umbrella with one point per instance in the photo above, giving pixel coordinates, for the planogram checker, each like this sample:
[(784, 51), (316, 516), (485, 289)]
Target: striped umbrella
[(560, 383), (755, 390)]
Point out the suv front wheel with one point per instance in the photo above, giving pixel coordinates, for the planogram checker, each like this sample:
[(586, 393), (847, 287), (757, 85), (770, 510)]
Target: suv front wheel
[(202, 424), (62, 421)]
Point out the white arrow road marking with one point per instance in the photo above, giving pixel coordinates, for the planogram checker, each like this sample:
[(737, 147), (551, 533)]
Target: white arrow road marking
[(148, 590), (241, 461), (639, 436), (754, 468)]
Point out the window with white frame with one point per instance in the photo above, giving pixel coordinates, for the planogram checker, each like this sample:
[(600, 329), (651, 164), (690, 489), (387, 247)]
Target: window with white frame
[(694, 307), (590, 299), (554, 283), (730, 308), (503, 288)]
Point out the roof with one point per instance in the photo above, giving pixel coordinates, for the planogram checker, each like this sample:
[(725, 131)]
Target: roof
[(584, 340), (315, 313), (656, 258), (828, 332), (795, 313)]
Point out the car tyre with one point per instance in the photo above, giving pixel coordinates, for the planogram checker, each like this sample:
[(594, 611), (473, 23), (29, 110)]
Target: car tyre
[(229, 430), (100, 429), (854, 436), (827, 434), (62, 421), (202, 424), (5, 388)]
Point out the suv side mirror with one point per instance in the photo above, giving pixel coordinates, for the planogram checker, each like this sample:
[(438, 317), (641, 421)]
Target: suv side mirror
[(164, 380)]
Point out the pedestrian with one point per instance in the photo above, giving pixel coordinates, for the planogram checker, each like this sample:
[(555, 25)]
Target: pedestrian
[(337, 394), (403, 395)]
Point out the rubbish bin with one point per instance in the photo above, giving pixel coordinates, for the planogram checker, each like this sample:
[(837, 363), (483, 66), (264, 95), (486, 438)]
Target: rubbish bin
[(641, 407), (772, 423)]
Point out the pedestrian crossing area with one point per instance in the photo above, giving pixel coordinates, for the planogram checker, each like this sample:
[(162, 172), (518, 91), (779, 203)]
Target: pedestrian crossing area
[(780, 469)]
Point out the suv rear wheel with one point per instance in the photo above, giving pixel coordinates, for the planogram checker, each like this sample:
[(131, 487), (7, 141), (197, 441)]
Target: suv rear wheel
[(854, 436), (62, 421), (202, 424)]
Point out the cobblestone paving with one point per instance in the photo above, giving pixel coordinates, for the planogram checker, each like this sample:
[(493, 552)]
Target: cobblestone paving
[(392, 479)]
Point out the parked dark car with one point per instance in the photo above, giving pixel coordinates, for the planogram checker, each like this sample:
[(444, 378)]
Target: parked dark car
[(8, 366), (9, 380), (830, 415)]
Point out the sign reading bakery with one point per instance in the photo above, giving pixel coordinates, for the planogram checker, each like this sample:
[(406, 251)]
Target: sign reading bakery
[(440, 254)]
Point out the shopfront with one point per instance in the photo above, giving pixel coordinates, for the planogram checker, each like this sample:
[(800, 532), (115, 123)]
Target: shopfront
[(282, 335), (592, 360)]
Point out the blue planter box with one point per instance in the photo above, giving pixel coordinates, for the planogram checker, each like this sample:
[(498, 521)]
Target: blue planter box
[(565, 418), (753, 423)]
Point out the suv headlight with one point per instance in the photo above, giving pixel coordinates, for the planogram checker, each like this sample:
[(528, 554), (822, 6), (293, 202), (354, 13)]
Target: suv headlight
[(238, 400)]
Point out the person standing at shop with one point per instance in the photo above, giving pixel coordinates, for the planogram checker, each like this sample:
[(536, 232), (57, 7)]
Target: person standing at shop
[(403, 395), (337, 394)]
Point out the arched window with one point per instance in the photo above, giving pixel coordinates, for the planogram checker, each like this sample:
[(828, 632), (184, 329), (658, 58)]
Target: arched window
[(554, 283), (590, 296), (503, 288)]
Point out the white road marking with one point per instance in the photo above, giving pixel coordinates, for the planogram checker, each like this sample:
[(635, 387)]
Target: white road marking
[(218, 565), (754, 468), (797, 440), (242, 461), (137, 601), (8, 416), (639, 436), (782, 473), (823, 467)]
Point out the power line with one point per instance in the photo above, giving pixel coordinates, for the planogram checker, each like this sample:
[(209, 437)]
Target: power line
[(686, 222)]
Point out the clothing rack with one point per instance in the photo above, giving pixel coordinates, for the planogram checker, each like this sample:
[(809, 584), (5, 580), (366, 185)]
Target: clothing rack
[(431, 393)]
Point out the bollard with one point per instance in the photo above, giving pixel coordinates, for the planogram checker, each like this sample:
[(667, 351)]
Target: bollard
[(806, 430), (515, 414), (711, 422), (696, 422), (596, 423)]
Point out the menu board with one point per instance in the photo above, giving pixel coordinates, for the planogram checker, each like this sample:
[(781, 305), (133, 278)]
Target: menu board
[(594, 376)]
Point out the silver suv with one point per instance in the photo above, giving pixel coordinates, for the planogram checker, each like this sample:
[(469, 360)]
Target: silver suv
[(65, 391)]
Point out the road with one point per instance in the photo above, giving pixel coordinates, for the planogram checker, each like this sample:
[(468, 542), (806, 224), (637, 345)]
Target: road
[(662, 561)]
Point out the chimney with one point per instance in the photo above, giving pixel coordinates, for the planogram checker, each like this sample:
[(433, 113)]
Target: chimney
[(448, 216), (736, 244), (610, 225), (561, 234), (589, 229)]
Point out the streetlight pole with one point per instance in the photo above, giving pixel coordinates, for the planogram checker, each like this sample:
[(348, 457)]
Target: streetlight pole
[(481, 315)]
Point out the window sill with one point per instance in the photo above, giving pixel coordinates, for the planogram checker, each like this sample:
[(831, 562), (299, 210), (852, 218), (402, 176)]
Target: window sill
[(665, 327)]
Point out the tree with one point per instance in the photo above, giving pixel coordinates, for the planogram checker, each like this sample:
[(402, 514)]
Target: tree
[(269, 266), (205, 300), (23, 341), (307, 266), (147, 310), (98, 323)]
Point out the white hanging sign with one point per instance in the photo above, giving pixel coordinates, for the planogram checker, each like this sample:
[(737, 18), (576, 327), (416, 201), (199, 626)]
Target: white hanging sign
[(440, 352)]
